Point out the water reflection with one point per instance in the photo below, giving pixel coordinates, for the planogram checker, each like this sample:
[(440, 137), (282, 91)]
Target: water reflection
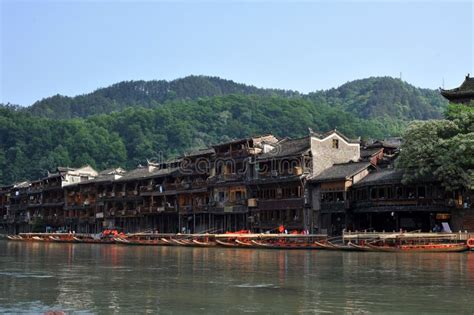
[(37, 277)]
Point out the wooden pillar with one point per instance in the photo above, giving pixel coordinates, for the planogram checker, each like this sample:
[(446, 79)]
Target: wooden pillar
[(179, 223)]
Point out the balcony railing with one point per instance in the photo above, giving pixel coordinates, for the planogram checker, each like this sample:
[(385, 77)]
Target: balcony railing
[(219, 208), (186, 209), (146, 188), (280, 204), (333, 206), (407, 203)]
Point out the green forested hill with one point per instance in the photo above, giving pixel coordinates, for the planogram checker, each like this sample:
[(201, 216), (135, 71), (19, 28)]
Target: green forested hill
[(144, 94), (366, 98), (129, 122), (384, 97)]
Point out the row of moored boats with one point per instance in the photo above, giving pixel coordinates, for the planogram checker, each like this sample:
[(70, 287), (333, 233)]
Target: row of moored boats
[(382, 242)]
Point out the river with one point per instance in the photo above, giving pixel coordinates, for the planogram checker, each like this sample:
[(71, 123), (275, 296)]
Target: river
[(85, 278)]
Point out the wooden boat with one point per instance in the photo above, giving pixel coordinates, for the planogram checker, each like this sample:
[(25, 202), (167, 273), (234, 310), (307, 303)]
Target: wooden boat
[(357, 247), (227, 244), (144, 242), (286, 245), (62, 239), (204, 244), (326, 245), (91, 240), (182, 242), (351, 247), (169, 242), (244, 243), (40, 239), (15, 238), (429, 248)]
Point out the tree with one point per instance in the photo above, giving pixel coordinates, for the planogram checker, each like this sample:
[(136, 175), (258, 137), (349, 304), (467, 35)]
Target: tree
[(441, 149)]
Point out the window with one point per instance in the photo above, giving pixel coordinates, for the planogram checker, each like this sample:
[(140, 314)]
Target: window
[(382, 193), (335, 143), (389, 192), (398, 192), (421, 192), (279, 193), (373, 193)]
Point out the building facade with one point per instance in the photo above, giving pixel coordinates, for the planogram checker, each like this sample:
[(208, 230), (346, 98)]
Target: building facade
[(320, 183)]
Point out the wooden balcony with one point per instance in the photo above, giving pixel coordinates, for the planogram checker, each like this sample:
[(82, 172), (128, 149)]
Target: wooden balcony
[(280, 204), (186, 209), (170, 208), (337, 206), (406, 204), (233, 177), (221, 209), (146, 188)]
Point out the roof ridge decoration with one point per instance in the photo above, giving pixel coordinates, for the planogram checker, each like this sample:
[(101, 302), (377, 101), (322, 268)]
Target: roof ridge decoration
[(334, 131)]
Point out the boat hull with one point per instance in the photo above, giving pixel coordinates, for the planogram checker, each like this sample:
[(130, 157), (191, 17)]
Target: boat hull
[(430, 248)]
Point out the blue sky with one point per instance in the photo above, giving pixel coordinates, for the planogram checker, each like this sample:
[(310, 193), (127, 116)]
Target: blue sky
[(76, 47)]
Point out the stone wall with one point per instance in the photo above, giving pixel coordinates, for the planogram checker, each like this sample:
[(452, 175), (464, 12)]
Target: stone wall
[(325, 155)]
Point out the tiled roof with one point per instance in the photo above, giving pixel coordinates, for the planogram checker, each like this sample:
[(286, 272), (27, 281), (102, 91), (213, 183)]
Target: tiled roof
[(65, 169), (24, 184), (207, 151), (366, 153), (386, 176), (467, 87), (341, 171), (288, 147), (112, 171), (145, 172), (141, 172), (99, 179), (270, 136), (383, 144)]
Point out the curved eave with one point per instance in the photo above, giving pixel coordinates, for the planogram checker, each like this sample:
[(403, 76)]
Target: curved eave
[(456, 93)]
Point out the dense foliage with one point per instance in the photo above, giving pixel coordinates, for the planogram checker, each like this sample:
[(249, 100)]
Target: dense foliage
[(129, 122), (443, 149), (385, 97), (30, 146), (147, 94), (367, 98)]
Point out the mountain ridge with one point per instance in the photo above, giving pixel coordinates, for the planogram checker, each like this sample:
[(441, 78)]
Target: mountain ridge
[(149, 94)]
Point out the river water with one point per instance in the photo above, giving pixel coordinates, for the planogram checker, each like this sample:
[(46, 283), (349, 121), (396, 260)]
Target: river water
[(85, 278)]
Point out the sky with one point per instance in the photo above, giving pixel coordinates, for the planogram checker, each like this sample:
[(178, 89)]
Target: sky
[(74, 47)]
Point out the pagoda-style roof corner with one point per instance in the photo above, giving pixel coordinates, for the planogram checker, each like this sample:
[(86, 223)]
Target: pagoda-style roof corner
[(462, 94)]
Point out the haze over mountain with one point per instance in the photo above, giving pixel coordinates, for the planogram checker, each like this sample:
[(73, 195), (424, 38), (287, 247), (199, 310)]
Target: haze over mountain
[(129, 122)]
